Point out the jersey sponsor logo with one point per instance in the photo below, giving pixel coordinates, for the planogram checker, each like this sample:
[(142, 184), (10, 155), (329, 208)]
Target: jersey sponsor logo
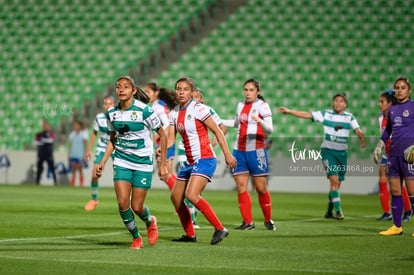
[(244, 117), (180, 127), (134, 116), (155, 120), (123, 128), (406, 113), (397, 121)]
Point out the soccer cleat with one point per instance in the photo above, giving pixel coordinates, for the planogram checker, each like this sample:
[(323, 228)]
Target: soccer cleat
[(186, 239), (407, 215), (270, 225), (137, 243), (195, 225), (219, 235), (329, 216), (393, 230), (339, 215), (152, 231), (245, 226), (385, 217), (91, 205)]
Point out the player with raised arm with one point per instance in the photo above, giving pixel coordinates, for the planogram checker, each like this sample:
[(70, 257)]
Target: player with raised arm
[(337, 124)]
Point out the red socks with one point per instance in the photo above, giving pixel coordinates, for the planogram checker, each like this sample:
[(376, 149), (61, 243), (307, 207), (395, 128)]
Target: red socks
[(245, 206), (185, 218), (384, 196), (406, 199), (266, 205), (170, 181), (208, 212)]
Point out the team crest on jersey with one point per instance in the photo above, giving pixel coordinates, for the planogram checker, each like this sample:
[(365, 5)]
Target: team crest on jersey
[(134, 116), (244, 117), (189, 117), (180, 127), (397, 121), (406, 113)]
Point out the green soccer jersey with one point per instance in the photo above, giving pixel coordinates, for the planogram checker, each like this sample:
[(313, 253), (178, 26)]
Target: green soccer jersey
[(133, 142), (336, 128)]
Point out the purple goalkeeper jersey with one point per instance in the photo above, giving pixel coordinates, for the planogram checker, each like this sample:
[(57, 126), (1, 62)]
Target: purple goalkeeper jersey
[(401, 127)]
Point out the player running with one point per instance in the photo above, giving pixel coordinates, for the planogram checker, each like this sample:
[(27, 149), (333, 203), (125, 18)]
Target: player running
[(336, 124), (99, 127), (129, 125), (254, 123)]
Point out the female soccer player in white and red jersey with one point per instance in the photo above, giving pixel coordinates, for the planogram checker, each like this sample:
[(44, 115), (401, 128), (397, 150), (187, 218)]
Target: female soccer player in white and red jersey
[(254, 123), (192, 120), (163, 100)]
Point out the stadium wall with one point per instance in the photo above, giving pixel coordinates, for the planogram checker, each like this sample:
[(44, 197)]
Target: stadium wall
[(296, 174)]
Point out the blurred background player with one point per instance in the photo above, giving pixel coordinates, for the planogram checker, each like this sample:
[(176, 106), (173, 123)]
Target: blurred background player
[(254, 123), (192, 120), (400, 127), (163, 100), (334, 149), (386, 99), (99, 127), (43, 142), (130, 124), (78, 139)]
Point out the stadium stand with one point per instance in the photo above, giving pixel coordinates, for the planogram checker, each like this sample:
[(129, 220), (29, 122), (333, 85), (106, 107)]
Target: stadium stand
[(57, 54)]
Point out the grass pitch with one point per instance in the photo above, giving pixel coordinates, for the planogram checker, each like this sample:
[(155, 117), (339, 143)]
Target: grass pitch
[(45, 230)]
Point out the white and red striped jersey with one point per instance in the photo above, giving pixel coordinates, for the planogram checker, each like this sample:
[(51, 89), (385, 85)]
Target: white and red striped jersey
[(189, 123), (250, 136), (161, 109)]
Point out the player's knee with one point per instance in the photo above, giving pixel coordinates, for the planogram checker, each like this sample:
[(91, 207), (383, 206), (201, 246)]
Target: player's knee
[(192, 197), (123, 203)]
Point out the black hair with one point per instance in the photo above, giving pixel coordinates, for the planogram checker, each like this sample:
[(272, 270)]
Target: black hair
[(140, 94), (153, 86), (186, 79), (258, 86), (343, 95), (389, 96), (168, 96)]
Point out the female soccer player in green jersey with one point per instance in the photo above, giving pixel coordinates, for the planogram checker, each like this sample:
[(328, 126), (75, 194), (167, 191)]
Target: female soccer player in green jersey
[(130, 124), (336, 124)]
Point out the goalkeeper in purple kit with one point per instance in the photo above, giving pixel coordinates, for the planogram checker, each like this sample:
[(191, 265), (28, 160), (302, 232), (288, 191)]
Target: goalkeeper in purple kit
[(400, 129)]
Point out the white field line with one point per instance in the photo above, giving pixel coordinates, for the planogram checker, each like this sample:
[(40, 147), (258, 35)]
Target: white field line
[(222, 268), (160, 229)]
